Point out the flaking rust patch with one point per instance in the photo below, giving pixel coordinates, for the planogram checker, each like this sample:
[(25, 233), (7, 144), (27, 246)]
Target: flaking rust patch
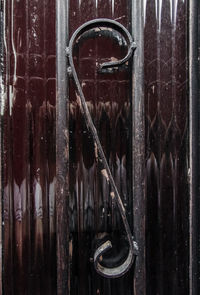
[(70, 248), (83, 84), (112, 194), (113, 59), (66, 154), (96, 151), (66, 134), (97, 29), (78, 99), (105, 174), (103, 28), (70, 258)]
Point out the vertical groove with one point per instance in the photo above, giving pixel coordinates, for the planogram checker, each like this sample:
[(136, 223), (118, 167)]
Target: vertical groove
[(166, 115), (194, 135), (26, 240)]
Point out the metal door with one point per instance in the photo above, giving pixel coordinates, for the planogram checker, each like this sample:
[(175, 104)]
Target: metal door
[(110, 98), (57, 204)]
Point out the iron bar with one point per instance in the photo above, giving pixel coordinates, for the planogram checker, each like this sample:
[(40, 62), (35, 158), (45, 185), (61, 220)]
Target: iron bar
[(118, 271)]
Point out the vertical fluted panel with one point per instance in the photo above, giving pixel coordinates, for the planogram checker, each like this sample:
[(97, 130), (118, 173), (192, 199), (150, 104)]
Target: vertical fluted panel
[(166, 113), (29, 147), (28, 109)]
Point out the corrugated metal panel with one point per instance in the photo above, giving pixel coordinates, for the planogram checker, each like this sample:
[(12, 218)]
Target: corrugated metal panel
[(29, 258), (83, 204), (167, 170)]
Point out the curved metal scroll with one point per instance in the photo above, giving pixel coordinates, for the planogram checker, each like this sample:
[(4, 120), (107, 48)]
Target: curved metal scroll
[(109, 272)]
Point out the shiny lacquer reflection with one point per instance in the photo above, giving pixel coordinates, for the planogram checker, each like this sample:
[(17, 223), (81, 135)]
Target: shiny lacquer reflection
[(29, 255), (166, 112)]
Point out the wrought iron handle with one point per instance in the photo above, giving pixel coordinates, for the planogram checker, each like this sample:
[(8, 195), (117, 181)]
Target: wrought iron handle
[(118, 271)]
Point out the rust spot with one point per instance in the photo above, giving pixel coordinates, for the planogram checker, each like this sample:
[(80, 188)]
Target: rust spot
[(70, 248), (66, 135), (120, 17), (96, 151), (105, 174), (112, 194), (78, 99), (97, 30), (83, 84), (112, 59)]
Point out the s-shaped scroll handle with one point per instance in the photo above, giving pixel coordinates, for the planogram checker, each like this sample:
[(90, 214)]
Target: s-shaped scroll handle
[(119, 270)]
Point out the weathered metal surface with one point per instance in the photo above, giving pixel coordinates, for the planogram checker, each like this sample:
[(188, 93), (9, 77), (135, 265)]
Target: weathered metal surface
[(138, 147), (28, 113), (92, 213), (104, 25), (62, 152), (167, 155), (194, 148), (84, 209)]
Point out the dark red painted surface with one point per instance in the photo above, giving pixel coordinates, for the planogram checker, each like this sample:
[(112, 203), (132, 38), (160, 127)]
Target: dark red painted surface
[(29, 255), (166, 113), (29, 252)]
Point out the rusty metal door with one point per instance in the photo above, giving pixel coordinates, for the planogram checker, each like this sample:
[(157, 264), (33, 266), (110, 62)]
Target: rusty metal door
[(99, 147), (100, 155)]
